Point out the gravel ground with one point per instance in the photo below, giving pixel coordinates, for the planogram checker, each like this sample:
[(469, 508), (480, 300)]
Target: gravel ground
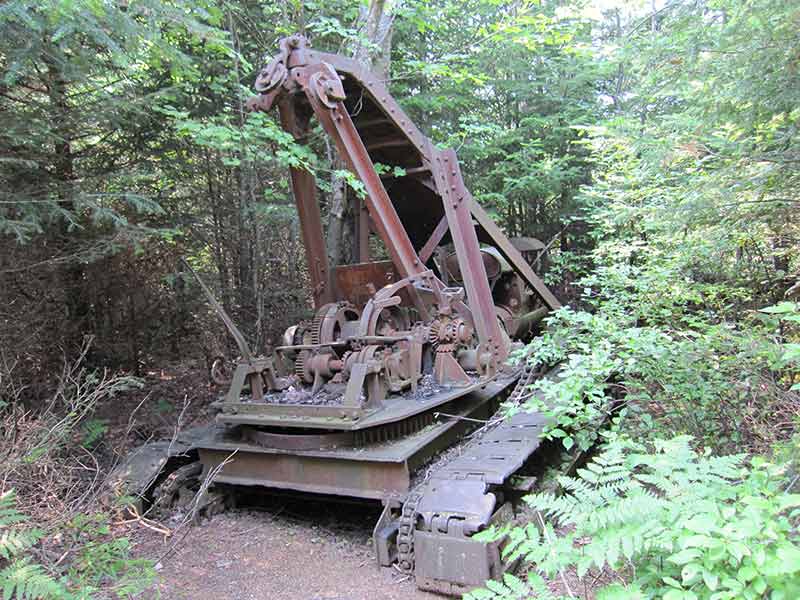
[(256, 555)]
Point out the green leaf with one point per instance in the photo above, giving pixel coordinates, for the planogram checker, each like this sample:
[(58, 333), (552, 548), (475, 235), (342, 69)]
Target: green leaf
[(710, 579), (789, 557), (781, 308), (746, 573), (684, 556)]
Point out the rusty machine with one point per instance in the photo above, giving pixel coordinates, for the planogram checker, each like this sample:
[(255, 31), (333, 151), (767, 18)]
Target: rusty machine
[(403, 356)]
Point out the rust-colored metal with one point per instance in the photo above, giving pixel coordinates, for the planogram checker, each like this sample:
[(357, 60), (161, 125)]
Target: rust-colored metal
[(304, 189), (433, 241), (339, 126), (360, 281), (513, 256), (411, 325), (473, 272), (402, 357)]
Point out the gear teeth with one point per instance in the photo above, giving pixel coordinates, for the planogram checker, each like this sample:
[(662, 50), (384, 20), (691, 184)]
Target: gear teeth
[(433, 332), (316, 325)]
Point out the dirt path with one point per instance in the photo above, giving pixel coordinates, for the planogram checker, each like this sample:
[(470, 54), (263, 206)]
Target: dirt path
[(290, 548), (278, 555)]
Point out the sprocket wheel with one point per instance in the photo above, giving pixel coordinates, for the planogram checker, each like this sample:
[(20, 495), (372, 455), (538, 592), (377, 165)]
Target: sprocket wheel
[(178, 489)]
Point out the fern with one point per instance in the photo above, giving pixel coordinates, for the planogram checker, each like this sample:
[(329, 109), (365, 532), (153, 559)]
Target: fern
[(26, 580), (686, 524), (21, 578), (514, 588), (14, 539)]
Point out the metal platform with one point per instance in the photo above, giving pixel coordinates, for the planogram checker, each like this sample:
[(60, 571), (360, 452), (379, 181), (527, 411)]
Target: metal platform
[(377, 471), (392, 409)]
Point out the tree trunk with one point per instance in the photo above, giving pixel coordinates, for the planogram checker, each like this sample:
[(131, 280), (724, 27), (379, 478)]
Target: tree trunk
[(337, 212), (77, 306), (377, 27)]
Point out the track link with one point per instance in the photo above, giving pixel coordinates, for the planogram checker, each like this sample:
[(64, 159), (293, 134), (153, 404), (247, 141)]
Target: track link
[(460, 497)]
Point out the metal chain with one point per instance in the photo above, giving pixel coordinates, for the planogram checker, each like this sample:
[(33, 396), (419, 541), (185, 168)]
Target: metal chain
[(525, 380), (405, 534)]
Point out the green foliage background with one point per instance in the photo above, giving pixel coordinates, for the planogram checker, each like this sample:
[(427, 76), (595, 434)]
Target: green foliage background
[(653, 145)]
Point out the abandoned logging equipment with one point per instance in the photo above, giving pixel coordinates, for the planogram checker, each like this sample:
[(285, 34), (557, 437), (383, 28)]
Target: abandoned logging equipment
[(402, 358)]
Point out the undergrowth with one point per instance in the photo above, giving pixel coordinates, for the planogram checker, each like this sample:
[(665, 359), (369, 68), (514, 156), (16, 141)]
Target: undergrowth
[(56, 537), (690, 510), (669, 521), (723, 386)]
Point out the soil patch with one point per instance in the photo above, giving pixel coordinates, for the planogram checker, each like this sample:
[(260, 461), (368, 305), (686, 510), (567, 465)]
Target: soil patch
[(295, 550)]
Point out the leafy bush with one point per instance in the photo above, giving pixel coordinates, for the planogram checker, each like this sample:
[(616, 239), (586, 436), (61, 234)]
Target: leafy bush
[(789, 313), (45, 460), (102, 560), (674, 523), (714, 382)]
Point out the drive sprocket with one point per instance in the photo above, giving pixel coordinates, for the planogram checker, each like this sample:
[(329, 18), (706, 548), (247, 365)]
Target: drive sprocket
[(178, 489)]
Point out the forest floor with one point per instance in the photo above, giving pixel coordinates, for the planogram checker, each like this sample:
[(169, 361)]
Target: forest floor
[(277, 547), (291, 553)]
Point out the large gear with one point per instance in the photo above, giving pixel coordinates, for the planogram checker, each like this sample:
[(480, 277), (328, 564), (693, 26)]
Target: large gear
[(330, 320), (433, 332)]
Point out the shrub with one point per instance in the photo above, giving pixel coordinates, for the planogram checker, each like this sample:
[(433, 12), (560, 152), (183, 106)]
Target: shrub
[(716, 383), (45, 454), (21, 577), (672, 522)]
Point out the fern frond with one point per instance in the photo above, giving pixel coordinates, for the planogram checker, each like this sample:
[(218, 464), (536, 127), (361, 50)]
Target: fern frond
[(28, 581)]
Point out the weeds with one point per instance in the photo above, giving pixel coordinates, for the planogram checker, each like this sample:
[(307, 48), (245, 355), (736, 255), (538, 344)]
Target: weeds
[(51, 476)]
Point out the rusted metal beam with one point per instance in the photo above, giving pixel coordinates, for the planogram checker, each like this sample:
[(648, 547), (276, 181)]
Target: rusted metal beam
[(376, 90), (433, 241), (304, 190), (367, 123), (338, 124), (513, 256), (390, 143), (456, 200)]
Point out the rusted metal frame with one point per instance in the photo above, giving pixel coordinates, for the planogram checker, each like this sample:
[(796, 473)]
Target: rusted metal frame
[(304, 189), (433, 241), (233, 411), (512, 255), (385, 298), (377, 472), (367, 123), (339, 126), (295, 441), (296, 471), (456, 200), (391, 143), (377, 91)]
